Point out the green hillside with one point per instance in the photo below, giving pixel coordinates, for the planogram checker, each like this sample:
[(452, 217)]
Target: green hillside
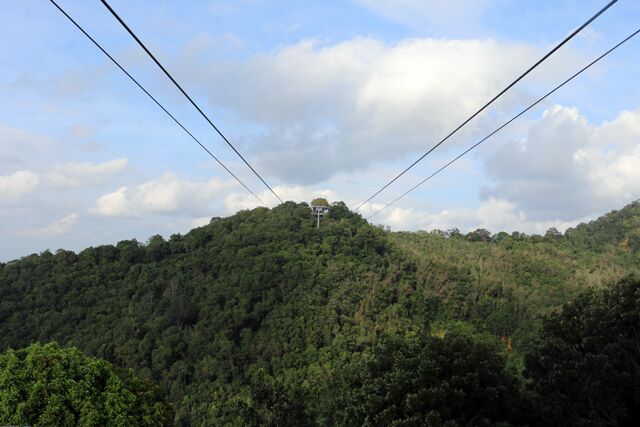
[(503, 283), (260, 318)]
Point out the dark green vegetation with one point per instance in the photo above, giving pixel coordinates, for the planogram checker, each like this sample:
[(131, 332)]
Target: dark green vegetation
[(418, 380), (50, 386), (320, 202), (589, 355), (262, 319)]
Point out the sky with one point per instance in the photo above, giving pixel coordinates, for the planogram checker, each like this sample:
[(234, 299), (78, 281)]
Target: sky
[(324, 98)]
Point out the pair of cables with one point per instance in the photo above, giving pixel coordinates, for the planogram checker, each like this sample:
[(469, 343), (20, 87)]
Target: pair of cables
[(505, 124), (155, 100), (485, 106)]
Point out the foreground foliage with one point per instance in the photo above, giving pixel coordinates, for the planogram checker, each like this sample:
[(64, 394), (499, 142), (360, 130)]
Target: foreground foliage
[(586, 367), (51, 386), (428, 380), (262, 319)]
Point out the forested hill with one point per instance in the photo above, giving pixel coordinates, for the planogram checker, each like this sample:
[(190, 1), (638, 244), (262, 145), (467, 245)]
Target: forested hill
[(617, 228), (258, 317)]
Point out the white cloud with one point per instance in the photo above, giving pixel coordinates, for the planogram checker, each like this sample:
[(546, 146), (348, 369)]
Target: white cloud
[(331, 108), (623, 131), (494, 215), (15, 186), (567, 167), (59, 227), (84, 174), (164, 195), (200, 221)]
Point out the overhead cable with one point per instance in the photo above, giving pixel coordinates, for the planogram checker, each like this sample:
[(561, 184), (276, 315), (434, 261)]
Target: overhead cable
[(508, 122), (154, 100), (534, 66), (164, 70)]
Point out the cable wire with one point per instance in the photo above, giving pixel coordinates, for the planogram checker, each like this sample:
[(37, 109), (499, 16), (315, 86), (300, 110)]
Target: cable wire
[(534, 66), (154, 99), (508, 122), (142, 45)]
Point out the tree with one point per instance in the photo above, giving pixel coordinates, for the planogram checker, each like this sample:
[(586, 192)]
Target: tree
[(479, 235), (553, 233), (157, 248), (265, 289), (320, 202), (427, 380), (499, 237), (586, 368), (265, 402), (49, 385), (453, 232)]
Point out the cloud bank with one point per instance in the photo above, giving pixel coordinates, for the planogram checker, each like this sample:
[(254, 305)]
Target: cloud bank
[(566, 167), (15, 186), (84, 174), (56, 228), (325, 109), (164, 195)]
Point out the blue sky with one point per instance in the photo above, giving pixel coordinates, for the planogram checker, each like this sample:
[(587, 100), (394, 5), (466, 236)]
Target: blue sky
[(325, 98)]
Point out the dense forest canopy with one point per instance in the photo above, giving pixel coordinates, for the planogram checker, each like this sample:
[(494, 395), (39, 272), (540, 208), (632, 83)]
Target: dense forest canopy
[(263, 319), (48, 385)]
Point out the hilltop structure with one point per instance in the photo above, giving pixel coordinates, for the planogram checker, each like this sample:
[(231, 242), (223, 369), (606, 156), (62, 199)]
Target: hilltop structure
[(319, 207)]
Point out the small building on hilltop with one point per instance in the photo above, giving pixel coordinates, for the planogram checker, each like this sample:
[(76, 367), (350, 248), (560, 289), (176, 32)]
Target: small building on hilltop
[(319, 207)]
